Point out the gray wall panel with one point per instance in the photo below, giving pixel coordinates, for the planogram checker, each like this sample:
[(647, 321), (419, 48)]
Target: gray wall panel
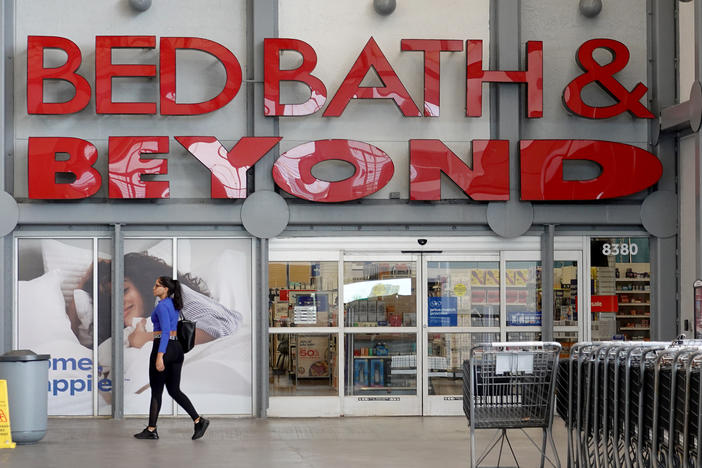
[(563, 29)]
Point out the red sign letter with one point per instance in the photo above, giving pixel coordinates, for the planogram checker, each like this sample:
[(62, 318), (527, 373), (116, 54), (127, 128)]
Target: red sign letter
[(43, 168), (126, 167), (293, 170), (169, 106), (228, 168), (105, 70), (476, 76), (37, 74), (488, 180), (273, 75), (372, 56), (626, 169), (604, 76), (432, 68)]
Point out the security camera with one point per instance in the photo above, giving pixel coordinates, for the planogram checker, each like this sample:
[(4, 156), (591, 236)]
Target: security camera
[(421, 241)]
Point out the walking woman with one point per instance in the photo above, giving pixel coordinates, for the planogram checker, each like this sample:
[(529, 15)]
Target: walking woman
[(166, 361)]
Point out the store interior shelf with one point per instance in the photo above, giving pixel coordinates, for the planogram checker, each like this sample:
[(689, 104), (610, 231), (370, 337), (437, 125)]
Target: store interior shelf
[(397, 371), (633, 280), (633, 316), (372, 357), (634, 328), (626, 291), (634, 304)]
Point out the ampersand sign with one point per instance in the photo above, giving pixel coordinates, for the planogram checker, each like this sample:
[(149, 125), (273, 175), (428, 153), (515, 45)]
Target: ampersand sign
[(604, 76)]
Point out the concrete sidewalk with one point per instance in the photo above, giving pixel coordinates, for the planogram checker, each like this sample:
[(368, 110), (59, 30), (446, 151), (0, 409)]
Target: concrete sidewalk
[(406, 442)]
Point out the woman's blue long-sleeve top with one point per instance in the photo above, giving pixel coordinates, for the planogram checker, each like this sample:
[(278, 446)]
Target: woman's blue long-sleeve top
[(165, 319)]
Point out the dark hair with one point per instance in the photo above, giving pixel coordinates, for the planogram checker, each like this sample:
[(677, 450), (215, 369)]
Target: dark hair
[(174, 290)]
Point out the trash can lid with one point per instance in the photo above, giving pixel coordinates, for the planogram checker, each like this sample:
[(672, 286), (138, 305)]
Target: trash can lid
[(23, 355)]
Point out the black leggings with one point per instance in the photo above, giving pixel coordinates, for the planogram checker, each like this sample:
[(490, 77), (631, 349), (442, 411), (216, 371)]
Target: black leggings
[(170, 377)]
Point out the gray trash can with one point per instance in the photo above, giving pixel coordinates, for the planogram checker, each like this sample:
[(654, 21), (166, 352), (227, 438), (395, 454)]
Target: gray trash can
[(27, 374)]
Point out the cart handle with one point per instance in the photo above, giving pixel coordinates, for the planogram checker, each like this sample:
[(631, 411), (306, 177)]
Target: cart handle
[(504, 344)]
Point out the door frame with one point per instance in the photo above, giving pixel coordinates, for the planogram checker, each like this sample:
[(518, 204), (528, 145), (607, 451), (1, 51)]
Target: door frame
[(383, 405)]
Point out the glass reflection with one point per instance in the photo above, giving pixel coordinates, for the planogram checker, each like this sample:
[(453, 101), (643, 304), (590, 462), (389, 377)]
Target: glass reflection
[(127, 167), (446, 353), (292, 171), (523, 293), (463, 294), (380, 294)]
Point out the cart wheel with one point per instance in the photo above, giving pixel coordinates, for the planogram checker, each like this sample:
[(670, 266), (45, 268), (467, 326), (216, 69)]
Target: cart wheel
[(692, 460), (662, 460)]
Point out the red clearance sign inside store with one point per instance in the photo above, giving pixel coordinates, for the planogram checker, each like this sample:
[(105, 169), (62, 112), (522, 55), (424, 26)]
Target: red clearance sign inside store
[(603, 303), (625, 169)]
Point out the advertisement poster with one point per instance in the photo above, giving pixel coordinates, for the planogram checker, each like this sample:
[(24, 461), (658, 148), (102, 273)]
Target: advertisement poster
[(312, 356), (443, 311), (56, 317)]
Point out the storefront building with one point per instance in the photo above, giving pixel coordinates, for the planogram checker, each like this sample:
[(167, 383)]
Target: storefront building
[(352, 193)]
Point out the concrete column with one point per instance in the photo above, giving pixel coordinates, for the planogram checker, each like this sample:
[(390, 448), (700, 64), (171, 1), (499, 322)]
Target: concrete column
[(698, 142), (6, 167), (263, 22), (117, 324), (663, 83), (261, 329), (547, 241)]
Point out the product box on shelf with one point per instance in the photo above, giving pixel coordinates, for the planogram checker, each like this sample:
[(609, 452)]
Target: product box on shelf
[(478, 296), (377, 373), (362, 311), (360, 372)]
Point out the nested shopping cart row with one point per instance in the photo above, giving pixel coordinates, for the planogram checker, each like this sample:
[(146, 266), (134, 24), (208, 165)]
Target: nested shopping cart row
[(632, 404)]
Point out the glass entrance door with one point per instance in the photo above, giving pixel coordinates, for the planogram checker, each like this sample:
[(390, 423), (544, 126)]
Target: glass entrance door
[(462, 307), (387, 333), (568, 325), (476, 299), (382, 362)]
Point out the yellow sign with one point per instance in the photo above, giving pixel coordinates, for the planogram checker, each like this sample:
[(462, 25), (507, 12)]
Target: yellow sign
[(460, 289), (5, 433)]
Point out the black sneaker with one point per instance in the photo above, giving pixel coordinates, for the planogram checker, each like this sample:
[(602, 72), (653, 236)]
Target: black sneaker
[(200, 428), (147, 434)]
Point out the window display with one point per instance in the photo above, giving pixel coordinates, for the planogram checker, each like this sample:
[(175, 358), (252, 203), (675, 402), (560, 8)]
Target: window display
[(56, 315), (216, 278), (381, 364), (523, 293), (464, 294), (565, 304), (303, 294), (620, 288), (303, 364)]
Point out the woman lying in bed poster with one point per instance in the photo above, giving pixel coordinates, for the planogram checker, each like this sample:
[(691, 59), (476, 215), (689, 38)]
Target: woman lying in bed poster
[(212, 318)]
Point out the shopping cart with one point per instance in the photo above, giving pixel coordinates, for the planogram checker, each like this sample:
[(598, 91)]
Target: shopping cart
[(632, 404), (511, 385)]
